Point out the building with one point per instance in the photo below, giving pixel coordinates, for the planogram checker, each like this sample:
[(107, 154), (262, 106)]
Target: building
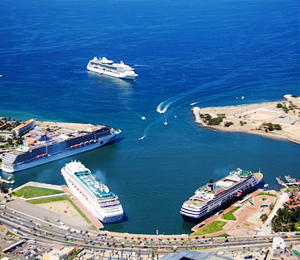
[(24, 127), (193, 255), (278, 246), (58, 252)]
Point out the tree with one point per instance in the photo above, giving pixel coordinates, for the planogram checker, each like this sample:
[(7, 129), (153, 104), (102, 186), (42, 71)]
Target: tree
[(264, 217), (9, 141)]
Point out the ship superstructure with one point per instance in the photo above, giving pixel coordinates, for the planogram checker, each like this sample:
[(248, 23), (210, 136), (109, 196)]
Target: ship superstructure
[(108, 67), (214, 196), (95, 196), (43, 146)]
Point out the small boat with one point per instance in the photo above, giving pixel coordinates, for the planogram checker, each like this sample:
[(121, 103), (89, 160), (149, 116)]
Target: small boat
[(143, 118), (165, 123), (141, 138)]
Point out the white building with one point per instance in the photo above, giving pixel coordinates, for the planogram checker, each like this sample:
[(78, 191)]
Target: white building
[(278, 246)]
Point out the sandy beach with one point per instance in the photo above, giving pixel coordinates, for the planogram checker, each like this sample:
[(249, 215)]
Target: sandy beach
[(59, 125), (257, 118)]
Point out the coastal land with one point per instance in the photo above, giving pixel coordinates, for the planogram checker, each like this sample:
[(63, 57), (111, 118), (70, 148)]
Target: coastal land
[(279, 119)]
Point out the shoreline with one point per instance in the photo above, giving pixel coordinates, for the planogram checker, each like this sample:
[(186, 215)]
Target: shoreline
[(256, 119)]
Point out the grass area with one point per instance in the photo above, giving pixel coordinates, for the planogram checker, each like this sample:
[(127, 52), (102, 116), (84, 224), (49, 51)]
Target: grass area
[(93, 228), (213, 227), (33, 192), (9, 234), (247, 225), (49, 200), (60, 199), (229, 215), (267, 194), (223, 235)]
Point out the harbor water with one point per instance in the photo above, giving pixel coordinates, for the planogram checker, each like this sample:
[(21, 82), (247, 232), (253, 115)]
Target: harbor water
[(205, 53)]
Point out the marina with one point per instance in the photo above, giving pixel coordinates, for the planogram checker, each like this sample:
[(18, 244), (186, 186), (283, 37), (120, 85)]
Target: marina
[(289, 181)]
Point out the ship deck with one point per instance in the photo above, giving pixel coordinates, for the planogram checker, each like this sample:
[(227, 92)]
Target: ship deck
[(227, 182), (89, 181)]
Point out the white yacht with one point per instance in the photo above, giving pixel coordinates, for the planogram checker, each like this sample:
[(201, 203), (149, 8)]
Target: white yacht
[(108, 67), (94, 195)]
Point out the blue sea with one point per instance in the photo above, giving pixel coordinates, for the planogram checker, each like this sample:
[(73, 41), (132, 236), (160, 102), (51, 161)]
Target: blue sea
[(205, 52)]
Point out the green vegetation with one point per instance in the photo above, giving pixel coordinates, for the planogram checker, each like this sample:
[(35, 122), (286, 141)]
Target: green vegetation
[(2, 188), (287, 219), (243, 123), (213, 227), (223, 235), (60, 199), (271, 127), (267, 194), (33, 192), (263, 217), (215, 121), (93, 228), (227, 124), (208, 119), (229, 215), (40, 201), (285, 108), (8, 233)]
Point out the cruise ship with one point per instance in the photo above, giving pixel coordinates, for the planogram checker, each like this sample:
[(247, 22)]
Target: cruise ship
[(108, 67), (214, 196), (94, 195), (48, 146)]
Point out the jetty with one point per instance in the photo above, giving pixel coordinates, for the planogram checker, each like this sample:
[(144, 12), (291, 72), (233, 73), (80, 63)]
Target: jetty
[(286, 184), (6, 181)]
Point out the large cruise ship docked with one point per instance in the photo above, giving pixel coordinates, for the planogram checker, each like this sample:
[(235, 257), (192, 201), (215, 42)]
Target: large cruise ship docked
[(214, 196), (108, 67), (96, 196), (47, 146)]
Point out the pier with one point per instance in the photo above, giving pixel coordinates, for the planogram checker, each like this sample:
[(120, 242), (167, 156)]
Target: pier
[(7, 181)]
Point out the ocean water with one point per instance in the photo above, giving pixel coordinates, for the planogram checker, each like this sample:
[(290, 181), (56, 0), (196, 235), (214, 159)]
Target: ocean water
[(206, 52)]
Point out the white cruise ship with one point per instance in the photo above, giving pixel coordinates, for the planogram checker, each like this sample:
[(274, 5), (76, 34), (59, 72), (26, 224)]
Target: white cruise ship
[(108, 67), (214, 196), (96, 196)]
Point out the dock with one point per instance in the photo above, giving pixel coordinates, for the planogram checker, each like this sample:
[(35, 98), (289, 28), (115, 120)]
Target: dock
[(7, 181), (286, 184)]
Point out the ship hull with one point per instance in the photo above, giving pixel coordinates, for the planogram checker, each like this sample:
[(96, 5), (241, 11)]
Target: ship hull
[(102, 204), (225, 205), (115, 75), (92, 208), (54, 157)]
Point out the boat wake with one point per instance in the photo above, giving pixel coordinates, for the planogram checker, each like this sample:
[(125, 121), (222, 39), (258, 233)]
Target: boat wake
[(138, 65), (163, 106), (147, 129), (161, 110)]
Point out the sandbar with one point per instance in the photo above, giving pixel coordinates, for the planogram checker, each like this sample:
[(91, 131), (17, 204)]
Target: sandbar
[(252, 119)]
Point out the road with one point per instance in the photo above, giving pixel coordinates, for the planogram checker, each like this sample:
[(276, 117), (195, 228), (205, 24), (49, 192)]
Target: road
[(46, 233)]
